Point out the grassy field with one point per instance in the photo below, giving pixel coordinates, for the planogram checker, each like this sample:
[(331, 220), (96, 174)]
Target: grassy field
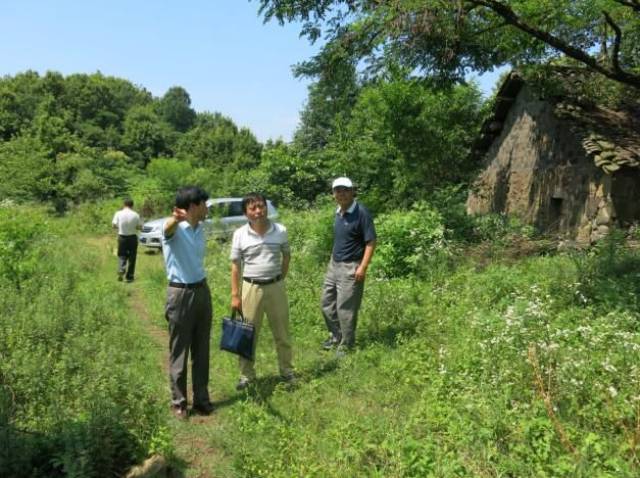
[(489, 365)]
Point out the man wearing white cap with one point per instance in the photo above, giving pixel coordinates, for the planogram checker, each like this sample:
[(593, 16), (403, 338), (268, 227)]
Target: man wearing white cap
[(353, 245)]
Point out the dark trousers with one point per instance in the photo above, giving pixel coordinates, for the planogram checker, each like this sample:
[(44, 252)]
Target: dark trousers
[(127, 252), (189, 312)]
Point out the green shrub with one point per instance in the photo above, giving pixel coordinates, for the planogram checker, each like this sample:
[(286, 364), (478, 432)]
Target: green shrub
[(21, 232), (310, 232), (497, 227), (408, 241), (609, 274)]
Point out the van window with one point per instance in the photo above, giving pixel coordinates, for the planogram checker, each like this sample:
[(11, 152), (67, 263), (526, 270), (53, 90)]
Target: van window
[(235, 209), (218, 210)]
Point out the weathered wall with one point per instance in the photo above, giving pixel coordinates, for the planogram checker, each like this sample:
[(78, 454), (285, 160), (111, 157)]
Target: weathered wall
[(538, 170)]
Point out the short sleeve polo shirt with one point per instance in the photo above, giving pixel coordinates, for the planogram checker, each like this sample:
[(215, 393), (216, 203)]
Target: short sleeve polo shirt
[(127, 221), (351, 232), (184, 253), (261, 255)]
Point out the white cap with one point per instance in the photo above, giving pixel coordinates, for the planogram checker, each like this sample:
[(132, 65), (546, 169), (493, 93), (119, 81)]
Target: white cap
[(342, 182)]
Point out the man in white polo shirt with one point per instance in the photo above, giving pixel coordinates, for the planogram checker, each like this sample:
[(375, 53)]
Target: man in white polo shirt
[(259, 264), (127, 222)]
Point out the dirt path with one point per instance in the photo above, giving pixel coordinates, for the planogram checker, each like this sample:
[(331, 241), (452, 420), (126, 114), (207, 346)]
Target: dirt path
[(192, 446)]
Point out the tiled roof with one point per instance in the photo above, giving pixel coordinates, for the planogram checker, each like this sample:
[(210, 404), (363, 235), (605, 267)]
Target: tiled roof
[(610, 137)]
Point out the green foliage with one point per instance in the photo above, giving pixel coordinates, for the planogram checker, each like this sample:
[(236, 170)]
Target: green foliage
[(94, 217), (169, 173), (21, 234), (76, 395), (408, 241), (87, 137), (27, 162), (496, 227), (175, 108), (447, 39), (292, 178), (405, 140), (216, 142), (329, 103), (451, 377), (311, 233), (145, 135), (608, 274)]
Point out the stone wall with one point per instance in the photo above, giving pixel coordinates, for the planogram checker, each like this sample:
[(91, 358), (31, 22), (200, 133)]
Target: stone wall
[(538, 170)]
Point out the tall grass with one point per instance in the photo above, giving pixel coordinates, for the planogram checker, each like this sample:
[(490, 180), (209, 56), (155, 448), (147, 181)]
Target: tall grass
[(76, 395), (526, 367)]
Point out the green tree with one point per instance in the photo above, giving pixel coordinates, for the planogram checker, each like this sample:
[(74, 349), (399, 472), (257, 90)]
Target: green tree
[(216, 142), (27, 166), (175, 108), (170, 173), (19, 98), (329, 103), (99, 105), (448, 38), (405, 140), (145, 136), (292, 176)]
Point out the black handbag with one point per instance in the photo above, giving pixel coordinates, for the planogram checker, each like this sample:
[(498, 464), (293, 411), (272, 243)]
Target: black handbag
[(237, 336)]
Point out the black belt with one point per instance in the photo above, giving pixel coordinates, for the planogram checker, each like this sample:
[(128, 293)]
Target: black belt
[(277, 278), (195, 285)]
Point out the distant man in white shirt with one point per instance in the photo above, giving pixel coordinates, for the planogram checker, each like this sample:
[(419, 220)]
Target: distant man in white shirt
[(127, 222), (259, 264)]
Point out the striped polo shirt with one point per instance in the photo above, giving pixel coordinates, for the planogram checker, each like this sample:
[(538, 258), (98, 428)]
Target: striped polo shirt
[(261, 256)]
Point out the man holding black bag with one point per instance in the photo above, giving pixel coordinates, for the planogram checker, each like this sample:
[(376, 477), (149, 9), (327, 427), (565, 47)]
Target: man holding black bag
[(188, 308), (259, 264)]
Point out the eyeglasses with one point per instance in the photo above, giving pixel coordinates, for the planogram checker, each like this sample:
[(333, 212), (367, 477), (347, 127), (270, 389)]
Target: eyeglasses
[(341, 189)]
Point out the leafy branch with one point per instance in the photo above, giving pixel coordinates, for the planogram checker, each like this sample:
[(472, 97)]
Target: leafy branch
[(614, 72)]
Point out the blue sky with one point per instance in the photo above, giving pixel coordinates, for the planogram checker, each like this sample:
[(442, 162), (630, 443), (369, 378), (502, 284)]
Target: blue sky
[(218, 50)]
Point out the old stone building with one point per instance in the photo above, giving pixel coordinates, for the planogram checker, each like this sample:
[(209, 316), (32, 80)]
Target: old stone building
[(558, 160)]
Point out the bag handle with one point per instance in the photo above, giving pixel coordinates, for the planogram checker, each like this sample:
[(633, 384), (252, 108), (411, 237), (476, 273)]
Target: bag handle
[(236, 311)]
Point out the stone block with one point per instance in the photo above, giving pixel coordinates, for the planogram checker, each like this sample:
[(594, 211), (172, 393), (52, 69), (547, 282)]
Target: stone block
[(584, 234), (603, 217)]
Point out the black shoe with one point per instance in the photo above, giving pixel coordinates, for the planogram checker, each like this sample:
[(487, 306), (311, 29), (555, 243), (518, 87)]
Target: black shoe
[(204, 408), (330, 343), (128, 280)]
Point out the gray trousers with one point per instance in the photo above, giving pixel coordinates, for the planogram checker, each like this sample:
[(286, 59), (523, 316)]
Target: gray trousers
[(189, 312), (341, 299)]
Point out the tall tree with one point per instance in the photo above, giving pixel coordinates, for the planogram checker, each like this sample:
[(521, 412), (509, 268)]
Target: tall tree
[(406, 139), (216, 142), (329, 103), (145, 136), (175, 108), (449, 37)]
